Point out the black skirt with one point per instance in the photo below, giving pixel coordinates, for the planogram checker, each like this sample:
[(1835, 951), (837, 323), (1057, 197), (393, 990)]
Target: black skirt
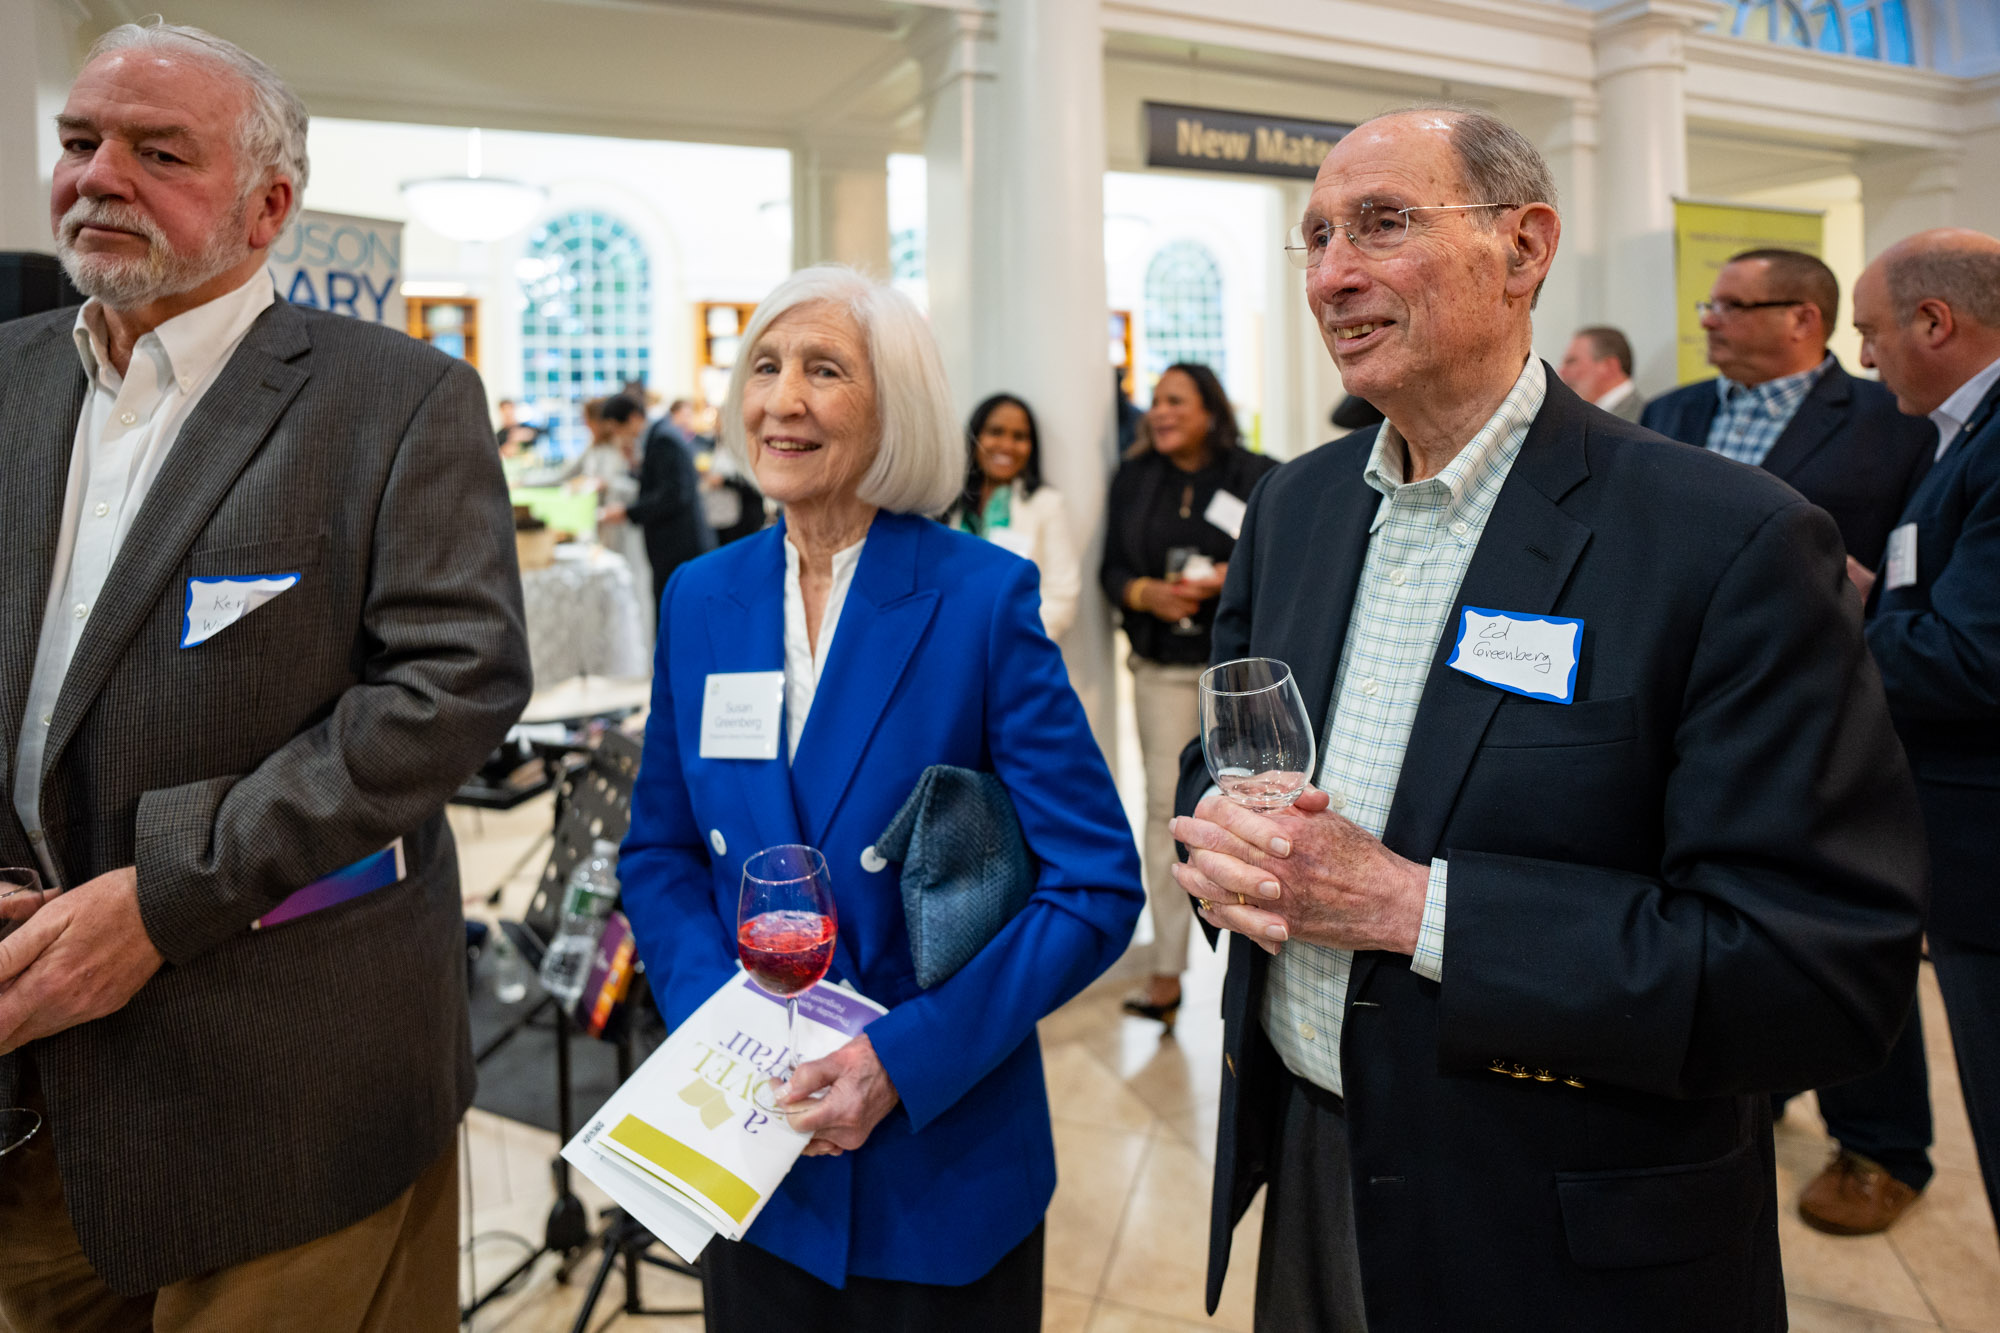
[(748, 1290)]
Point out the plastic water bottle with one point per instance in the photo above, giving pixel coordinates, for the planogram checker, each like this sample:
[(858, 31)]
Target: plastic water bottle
[(592, 893)]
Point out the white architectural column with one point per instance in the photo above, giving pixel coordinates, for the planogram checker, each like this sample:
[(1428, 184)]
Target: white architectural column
[(840, 206), (1641, 167), (1015, 256), (1904, 192), (35, 41)]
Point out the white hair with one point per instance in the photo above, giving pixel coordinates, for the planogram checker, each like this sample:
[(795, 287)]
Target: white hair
[(271, 136), (919, 463)]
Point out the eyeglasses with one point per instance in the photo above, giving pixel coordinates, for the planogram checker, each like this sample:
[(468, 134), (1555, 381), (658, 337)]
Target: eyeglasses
[(1726, 309), (1375, 230)]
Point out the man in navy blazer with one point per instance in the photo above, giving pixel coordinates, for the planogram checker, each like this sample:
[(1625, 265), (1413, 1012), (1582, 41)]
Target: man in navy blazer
[(1683, 869), (1783, 402), (1929, 315)]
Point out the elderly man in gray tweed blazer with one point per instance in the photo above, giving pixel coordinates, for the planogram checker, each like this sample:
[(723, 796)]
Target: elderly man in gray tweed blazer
[(260, 617)]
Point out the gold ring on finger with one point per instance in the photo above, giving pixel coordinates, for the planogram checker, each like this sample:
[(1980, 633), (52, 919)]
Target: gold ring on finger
[(1240, 902), (1206, 905)]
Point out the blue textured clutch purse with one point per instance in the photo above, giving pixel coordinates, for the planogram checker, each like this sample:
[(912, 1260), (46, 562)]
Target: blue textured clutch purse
[(966, 868)]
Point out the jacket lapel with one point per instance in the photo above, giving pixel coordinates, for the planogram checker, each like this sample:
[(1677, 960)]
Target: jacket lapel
[(883, 619), (1818, 417), (746, 632), (1523, 560), (36, 440), (1312, 636), (1698, 414), (218, 439)]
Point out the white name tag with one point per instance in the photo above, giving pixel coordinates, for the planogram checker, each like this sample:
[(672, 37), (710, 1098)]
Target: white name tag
[(213, 605), (1225, 511), (741, 713), (1902, 570), (1531, 655)]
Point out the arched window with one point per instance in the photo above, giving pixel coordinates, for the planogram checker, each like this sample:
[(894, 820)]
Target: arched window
[(1871, 29), (1183, 309), (586, 318)]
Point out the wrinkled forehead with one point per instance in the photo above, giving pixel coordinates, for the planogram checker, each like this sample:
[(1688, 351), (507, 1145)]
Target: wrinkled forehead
[(1401, 161), (135, 92)]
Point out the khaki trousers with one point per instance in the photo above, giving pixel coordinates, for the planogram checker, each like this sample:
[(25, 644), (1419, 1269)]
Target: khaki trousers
[(395, 1271), (1165, 708)]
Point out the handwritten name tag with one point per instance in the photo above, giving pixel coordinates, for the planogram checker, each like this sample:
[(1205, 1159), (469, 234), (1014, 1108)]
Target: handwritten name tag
[(1901, 571), (213, 605), (741, 712), (1531, 655)]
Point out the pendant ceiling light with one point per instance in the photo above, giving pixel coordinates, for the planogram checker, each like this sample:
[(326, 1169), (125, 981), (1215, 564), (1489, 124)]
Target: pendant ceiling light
[(473, 207)]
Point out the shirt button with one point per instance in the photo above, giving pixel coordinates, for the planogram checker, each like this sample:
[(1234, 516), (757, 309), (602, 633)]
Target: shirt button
[(128, 417), (1460, 528), (1370, 687), (1309, 1032), (102, 509), (48, 719), (35, 837), (1336, 800), (81, 610), (1397, 577)]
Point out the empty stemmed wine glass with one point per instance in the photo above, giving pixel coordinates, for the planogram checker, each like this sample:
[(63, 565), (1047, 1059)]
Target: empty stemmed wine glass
[(1255, 732), (785, 928), (21, 893)]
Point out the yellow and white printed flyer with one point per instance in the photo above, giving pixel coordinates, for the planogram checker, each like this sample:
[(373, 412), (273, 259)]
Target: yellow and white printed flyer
[(681, 1146)]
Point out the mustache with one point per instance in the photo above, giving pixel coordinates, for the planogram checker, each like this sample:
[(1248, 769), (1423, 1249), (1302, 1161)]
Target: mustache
[(108, 213)]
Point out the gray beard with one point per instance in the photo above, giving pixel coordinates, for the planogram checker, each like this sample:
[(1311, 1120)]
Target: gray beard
[(126, 284)]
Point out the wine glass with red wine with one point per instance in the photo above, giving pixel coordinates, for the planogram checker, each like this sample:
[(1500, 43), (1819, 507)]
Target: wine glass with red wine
[(21, 893), (785, 928)]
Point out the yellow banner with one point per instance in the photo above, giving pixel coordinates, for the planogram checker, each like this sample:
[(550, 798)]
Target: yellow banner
[(1705, 236)]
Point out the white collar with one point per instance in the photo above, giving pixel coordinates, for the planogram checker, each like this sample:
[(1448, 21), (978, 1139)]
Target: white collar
[(1617, 394), (1952, 414), (191, 342)]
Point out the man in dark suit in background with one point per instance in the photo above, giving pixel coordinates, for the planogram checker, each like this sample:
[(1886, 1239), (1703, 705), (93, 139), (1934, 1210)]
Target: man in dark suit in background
[(668, 509), (1929, 315), (260, 618), (1607, 697), (1598, 365), (1783, 402)]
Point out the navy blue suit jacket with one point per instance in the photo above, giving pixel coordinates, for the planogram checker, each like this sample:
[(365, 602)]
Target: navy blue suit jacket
[(1847, 449), (938, 658), (1698, 883), (1937, 642)]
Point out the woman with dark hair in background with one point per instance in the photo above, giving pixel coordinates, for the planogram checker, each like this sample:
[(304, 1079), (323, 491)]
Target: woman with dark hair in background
[(1175, 510), (1006, 502)]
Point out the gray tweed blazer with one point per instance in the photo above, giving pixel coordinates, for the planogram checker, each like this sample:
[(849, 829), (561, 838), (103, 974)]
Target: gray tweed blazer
[(266, 1088)]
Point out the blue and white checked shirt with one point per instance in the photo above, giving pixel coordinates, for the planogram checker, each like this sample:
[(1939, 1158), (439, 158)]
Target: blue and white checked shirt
[(1753, 416), (1419, 547)]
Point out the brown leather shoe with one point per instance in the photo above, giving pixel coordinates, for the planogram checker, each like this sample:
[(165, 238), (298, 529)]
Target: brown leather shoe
[(1854, 1196)]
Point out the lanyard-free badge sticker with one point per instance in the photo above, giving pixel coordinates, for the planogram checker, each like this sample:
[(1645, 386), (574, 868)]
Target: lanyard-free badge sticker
[(213, 605), (1522, 654)]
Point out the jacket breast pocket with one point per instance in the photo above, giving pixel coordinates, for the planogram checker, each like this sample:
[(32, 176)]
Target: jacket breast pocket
[(1639, 1218), (261, 559), (1529, 723)]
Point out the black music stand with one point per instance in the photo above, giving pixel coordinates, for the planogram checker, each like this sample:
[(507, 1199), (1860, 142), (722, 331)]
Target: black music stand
[(593, 801)]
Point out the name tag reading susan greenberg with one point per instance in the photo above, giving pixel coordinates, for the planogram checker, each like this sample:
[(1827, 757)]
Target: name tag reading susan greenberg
[(741, 713), (1531, 655)]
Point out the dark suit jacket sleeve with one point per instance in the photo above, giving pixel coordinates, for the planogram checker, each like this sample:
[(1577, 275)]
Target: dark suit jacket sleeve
[(442, 660), (1941, 662), (1778, 947), (666, 482), (937, 1046)]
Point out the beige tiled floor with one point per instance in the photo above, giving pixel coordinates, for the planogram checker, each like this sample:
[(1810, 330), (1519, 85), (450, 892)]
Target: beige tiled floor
[(1135, 1128)]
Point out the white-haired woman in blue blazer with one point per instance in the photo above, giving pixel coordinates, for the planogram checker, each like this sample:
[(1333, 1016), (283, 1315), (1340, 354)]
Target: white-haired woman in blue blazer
[(903, 644)]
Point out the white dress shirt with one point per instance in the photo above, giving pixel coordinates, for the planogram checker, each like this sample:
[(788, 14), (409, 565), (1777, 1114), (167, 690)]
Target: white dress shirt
[(803, 659), (1952, 414), (1617, 394), (127, 427)]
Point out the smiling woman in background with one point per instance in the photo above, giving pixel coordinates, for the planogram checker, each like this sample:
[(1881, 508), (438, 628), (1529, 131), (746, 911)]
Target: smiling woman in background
[(1007, 502), (1174, 514), (902, 644)]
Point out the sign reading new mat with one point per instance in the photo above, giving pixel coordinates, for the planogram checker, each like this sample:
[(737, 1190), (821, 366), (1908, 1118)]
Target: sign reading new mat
[(1705, 236), (1195, 138)]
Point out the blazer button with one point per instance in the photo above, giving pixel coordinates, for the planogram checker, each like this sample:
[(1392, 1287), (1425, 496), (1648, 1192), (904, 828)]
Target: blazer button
[(872, 860), (718, 842)]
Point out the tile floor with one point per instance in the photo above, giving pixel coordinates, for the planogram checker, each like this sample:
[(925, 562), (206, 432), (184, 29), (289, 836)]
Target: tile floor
[(1135, 1132)]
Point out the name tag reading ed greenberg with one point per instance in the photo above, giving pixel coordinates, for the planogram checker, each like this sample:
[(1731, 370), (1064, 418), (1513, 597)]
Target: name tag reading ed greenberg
[(213, 605), (1531, 655), (741, 712)]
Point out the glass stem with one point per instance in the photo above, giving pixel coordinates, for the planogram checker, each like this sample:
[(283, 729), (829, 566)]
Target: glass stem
[(791, 1041)]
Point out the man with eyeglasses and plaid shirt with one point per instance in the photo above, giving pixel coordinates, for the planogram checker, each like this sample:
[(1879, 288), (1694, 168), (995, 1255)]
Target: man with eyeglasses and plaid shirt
[(1604, 695), (1784, 403)]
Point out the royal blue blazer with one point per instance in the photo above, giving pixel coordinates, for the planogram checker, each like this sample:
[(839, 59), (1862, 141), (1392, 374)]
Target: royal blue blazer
[(938, 658)]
